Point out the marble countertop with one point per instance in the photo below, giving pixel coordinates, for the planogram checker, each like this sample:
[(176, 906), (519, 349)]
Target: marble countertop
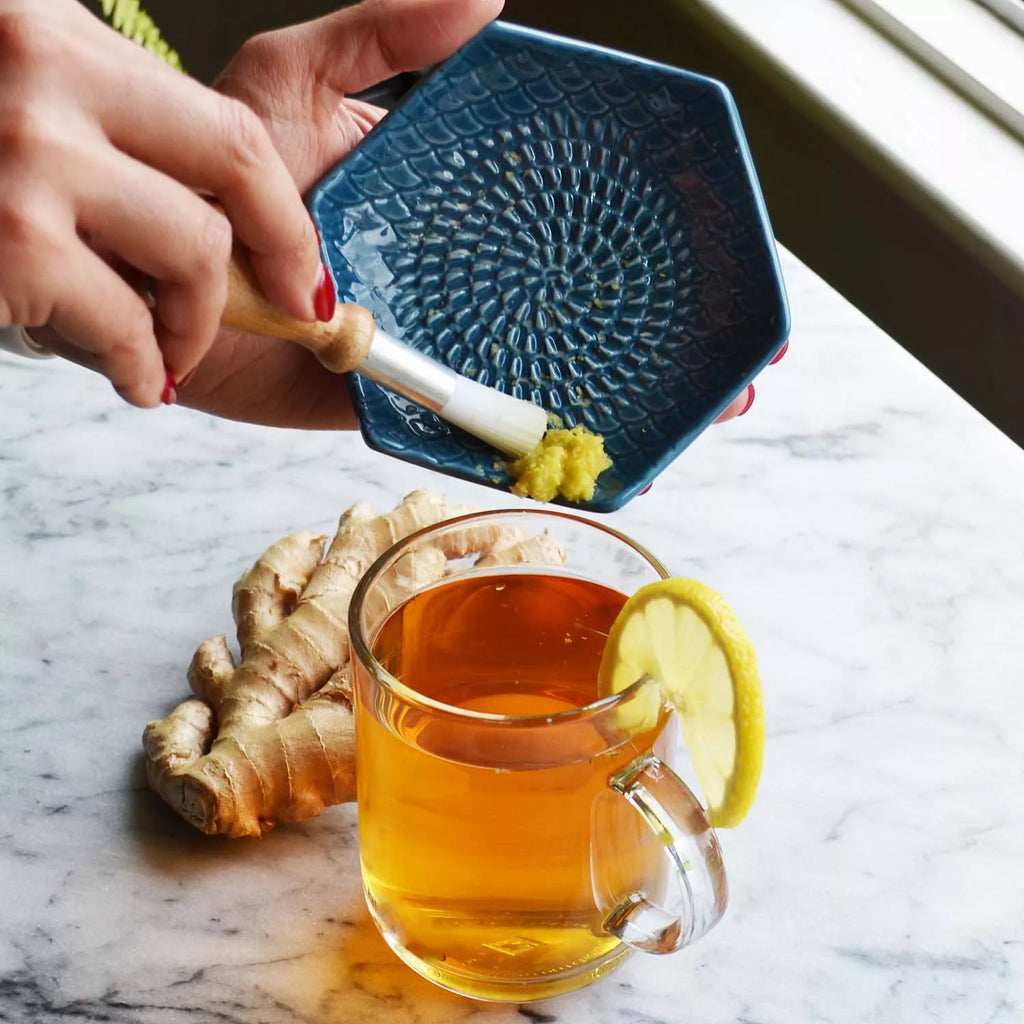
[(866, 524)]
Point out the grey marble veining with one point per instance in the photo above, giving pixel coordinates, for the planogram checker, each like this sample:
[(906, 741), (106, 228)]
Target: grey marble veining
[(867, 526)]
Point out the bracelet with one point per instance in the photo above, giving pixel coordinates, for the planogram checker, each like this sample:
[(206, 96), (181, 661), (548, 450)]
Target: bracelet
[(16, 339)]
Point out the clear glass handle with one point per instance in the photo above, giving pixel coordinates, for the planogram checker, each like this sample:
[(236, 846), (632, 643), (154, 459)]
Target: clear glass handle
[(697, 900)]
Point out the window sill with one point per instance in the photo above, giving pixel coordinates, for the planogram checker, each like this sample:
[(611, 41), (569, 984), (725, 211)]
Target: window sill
[(955, 163)]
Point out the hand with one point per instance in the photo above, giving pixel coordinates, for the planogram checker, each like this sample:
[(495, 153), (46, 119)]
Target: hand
[(104, 147), (296, 79)]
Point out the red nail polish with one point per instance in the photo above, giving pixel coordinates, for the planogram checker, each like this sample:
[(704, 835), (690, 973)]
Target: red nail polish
[(324, 298), (778, 355), (750, 400), (169, 395), (646, 489)]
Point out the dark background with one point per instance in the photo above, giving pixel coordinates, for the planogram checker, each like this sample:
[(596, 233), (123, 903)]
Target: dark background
[(207, 33), (851, 216)]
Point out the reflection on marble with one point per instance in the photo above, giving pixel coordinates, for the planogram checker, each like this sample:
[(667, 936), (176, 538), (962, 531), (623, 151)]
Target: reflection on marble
[(867, 526)]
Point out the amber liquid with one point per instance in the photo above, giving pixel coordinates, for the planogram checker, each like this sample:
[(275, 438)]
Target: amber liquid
[(492, 856)]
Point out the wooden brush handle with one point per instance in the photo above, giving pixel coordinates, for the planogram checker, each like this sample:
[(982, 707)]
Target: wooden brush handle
[(341, 345)]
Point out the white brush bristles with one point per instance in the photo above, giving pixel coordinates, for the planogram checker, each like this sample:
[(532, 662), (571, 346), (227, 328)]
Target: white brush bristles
[(509, 424)]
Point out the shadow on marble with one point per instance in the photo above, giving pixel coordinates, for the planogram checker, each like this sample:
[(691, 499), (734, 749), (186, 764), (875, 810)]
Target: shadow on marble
[(167, 844), (164, 841), (290, 906), (369, 966)]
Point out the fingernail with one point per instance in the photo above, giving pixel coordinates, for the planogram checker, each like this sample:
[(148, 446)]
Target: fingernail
[(778, 355), (750, 400), (169, 395), (324, 299), (646, 489)]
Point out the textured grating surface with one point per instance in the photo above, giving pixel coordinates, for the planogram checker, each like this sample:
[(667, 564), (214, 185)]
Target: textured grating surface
[(568, 224)]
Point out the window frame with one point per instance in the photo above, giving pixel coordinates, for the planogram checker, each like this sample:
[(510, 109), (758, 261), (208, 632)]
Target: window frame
[(962, 42)]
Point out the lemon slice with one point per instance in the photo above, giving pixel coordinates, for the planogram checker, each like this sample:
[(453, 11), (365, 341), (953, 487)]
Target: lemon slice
[(684, 636)]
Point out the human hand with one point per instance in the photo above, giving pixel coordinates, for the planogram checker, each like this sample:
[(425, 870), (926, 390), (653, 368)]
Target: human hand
[(297, 80), (105, 149)]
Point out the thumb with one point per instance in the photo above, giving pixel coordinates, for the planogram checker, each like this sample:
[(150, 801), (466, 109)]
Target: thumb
[(357, 47)]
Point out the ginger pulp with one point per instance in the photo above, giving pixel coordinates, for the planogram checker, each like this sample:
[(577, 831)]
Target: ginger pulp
[(566, 462)]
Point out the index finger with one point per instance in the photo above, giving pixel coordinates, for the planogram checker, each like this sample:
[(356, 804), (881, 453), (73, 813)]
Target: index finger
[(217, 144)]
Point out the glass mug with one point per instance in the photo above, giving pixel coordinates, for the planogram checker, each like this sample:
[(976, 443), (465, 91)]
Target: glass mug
[(518, 836)]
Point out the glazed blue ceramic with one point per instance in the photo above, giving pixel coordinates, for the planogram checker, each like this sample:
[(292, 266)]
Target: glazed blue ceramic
[(575, 226)]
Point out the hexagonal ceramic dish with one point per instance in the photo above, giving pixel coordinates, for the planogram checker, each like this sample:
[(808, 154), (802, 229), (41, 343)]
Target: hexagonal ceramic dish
[(576, 226)]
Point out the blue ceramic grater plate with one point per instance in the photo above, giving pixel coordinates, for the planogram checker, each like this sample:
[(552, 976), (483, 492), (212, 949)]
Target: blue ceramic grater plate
[(572, 225)]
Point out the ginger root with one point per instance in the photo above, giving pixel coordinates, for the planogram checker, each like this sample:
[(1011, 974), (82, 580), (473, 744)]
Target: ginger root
[(271, 739)]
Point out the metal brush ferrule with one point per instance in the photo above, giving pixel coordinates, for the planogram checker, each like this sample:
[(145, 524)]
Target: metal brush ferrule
[(409, 372)]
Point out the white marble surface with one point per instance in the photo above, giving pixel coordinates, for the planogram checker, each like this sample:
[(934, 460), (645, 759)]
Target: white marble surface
[(868, 527)]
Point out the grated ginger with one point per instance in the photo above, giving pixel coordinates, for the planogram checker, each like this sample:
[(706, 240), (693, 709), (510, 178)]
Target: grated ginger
[(566, 462)]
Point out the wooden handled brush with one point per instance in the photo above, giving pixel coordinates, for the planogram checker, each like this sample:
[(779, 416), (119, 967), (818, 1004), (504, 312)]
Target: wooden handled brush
[(351, 341)]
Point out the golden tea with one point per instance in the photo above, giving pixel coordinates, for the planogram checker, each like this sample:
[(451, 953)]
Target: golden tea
[(492, 848)]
